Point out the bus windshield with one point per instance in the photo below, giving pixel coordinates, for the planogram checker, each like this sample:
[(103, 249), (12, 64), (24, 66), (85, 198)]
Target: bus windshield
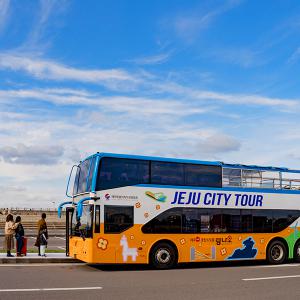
[(82, 226)]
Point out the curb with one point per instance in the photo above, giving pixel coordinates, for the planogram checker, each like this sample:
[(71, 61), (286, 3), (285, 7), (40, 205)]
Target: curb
[(37, 260), (50, 235)]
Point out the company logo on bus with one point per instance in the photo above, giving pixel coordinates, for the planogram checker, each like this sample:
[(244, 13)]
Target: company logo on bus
[(107, 196), (156, 196)]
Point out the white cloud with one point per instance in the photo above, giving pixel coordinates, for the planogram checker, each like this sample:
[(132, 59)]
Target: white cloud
[(152, 60), (188, 25), (117, 104), (218, 143), (4, 13), (46, 10), (47, 69), (175, 104), (238, 99), (35, 154), (295, 56), (239, 56)]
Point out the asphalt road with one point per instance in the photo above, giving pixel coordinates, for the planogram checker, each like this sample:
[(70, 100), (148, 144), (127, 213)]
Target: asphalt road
[(30, 232), (54, 243), (201, 281)]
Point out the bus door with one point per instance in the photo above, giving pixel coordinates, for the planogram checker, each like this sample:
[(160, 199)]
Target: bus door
[(69, 214)]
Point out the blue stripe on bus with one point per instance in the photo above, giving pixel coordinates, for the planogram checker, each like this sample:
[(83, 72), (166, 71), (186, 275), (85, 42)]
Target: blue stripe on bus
[(189, 161), (153, 158), (94, 180)]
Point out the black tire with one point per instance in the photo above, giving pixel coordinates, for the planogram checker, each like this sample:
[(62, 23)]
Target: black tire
[(163, 256), (277, 253), (297, 252)]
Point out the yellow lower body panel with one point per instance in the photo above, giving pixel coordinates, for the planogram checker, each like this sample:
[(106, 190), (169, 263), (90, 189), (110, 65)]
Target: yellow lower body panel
[(133, 246)]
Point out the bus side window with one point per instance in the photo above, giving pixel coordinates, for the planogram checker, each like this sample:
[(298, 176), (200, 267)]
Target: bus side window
[(97, 219), (117, 218), (91, 174), (118, 172), (82, 182)]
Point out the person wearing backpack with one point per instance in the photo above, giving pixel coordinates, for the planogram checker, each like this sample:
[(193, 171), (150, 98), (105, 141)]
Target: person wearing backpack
[(19, 235)]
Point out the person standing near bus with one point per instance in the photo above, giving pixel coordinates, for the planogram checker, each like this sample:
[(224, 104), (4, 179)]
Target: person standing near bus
[(19, 235), (10, 227), (42, 236)]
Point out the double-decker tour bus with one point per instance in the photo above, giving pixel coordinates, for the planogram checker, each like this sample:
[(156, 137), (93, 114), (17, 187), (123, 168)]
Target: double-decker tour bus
[(163, 211)]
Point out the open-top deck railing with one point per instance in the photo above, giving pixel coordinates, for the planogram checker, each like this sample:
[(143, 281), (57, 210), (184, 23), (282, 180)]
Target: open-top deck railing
[(257, 179)]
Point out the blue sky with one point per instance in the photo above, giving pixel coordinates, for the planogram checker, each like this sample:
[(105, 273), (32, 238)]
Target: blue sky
[(208, 80)]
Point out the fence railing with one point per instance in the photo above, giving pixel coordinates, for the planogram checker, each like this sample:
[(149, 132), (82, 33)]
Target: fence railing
[(261, 182)]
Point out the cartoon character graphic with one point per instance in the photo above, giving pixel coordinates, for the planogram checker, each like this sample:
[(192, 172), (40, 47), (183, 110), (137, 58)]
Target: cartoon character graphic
[(246, 252), (128, 251), (156, 196)]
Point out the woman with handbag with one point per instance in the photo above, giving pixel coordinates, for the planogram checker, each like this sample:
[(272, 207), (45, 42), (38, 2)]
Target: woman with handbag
[(10, 227), (42, 236)]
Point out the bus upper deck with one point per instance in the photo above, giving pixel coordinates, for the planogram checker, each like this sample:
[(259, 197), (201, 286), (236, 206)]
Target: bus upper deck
[(106, 170)]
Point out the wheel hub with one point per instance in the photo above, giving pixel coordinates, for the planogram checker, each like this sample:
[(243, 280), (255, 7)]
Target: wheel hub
[(163, 256), (277, 252)]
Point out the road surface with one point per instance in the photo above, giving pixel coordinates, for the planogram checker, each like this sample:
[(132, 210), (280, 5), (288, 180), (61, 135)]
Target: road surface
[(202, 281)]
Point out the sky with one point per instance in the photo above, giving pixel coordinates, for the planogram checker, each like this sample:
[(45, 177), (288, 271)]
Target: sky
[(208, 80)]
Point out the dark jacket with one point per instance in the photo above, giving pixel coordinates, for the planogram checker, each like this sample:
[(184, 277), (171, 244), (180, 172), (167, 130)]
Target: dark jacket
[(19, 231), (42, 233)]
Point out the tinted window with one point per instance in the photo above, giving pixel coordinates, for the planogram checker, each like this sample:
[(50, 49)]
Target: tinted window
[(75, 187), (97, 218), (247, 221), (115, 172), (231, 220), (200, 175), (262, 220), (283, 218), (167, 173), (92, 167), (191, 220), (167, 222), (117, 218), (83, 226), (83, 173), (215, 223), (199, 220)]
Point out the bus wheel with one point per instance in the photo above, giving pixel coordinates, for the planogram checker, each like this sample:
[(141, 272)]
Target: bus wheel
[(163, 256), (276, 253), (297, 252)]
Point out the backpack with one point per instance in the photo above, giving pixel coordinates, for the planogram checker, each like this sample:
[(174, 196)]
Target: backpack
[(19, 231)]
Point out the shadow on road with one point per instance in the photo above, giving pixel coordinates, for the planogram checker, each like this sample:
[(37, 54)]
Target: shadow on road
[(202, 265)]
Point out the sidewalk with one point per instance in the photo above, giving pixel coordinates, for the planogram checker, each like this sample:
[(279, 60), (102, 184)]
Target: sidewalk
[(34, 258)]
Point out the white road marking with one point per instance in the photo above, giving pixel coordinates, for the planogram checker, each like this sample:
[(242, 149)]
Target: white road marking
[(58, 237), (63, 248), (53, 289), (275, 266), (270, 278)]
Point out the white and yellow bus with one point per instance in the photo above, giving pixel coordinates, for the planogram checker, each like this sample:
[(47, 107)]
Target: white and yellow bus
[(138, 209)]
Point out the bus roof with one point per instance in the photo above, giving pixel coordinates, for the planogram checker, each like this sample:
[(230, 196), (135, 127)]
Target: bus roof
[(211, 163)]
